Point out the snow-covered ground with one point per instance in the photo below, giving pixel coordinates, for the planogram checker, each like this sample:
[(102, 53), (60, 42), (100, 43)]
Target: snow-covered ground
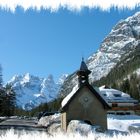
[(60, 136), (121, 123), (125, 123), (125, 127), (2, 118)]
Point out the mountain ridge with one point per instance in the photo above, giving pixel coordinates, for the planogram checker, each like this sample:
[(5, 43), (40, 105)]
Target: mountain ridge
[(31, 90), (123, 38)]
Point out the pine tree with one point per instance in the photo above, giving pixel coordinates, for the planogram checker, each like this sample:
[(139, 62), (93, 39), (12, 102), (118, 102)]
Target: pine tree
[(1, 80), (7, 98), (125, 86), (2, 102), (134, 87), (7, 101), (10, 101), (2, 92)]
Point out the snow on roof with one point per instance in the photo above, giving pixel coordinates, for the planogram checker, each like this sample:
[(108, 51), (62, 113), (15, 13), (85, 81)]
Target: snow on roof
[(112, 92), (113, 95), (108, 94), (68, 97)]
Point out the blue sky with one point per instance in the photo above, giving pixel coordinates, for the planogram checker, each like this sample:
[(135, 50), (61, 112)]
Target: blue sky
[(44, 42)]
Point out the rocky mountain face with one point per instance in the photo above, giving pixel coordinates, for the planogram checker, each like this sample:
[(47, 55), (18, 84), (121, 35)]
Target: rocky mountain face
[(31, 90), (123, 39)]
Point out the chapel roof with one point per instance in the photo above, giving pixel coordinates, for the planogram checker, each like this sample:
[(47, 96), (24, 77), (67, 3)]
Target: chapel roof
[(67, 100)]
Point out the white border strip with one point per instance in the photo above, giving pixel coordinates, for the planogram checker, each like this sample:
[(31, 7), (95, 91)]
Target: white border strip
[(54, 5)]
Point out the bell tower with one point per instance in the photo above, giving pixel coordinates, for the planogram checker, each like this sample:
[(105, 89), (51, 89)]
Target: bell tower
[(83, 73)]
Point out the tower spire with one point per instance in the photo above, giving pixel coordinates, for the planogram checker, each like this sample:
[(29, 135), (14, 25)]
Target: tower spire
[(83, 73)]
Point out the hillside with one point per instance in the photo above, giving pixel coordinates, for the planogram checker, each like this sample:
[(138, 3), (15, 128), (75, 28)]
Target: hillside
[(125, 75), (117, 57)]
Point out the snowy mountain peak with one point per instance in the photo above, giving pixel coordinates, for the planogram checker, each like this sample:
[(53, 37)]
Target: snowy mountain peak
[(136, 16), (15, 78), (62, 79), (123, 38), (50, 79), (26, 77), (32, 90)]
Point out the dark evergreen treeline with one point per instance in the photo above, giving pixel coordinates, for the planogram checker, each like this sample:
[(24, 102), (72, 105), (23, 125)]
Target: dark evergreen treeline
[(123, 75), (52, 106), (7, 98), (131, 86), (7, 101)]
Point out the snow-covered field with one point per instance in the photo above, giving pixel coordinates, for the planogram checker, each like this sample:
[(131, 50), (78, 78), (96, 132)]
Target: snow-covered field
[(125, 123), (125, 127)]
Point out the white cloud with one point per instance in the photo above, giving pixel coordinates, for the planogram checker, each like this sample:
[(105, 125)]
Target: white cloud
[(54, 5)]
